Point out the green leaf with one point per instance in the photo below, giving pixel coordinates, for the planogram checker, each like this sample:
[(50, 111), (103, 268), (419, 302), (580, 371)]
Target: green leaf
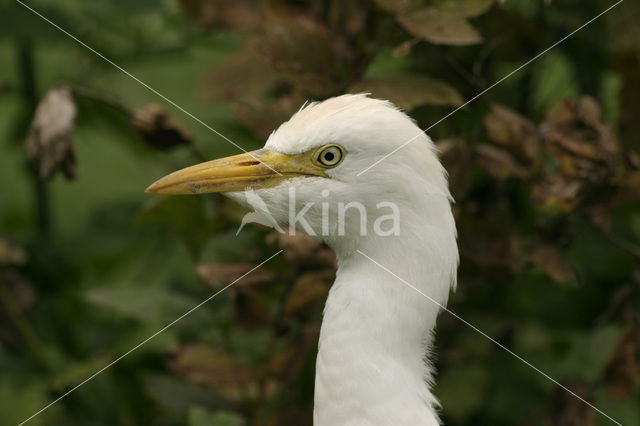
[(189, 217), (462, 390), (393, 6), (386, 63), (18, 403), (590, 353), (553, 78), (76, 373), (176, 395), (198, 416), (627, 411), (16, 21), (568, 355), (610, 91), (143, 303)]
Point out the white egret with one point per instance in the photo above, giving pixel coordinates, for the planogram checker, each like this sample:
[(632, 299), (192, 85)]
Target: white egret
[(373, 364)]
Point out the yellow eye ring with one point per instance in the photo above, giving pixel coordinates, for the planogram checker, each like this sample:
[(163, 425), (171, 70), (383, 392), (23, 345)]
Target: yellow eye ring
[(329, 155)]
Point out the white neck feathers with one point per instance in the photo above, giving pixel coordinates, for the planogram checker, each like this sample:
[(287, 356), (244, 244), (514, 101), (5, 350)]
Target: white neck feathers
[(372, 366)]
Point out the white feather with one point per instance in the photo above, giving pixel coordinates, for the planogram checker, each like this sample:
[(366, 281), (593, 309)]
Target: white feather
[(260, 213), (373, 366)]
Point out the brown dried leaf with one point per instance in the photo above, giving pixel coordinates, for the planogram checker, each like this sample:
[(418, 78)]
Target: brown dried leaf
[(301, 249), (158, 129), (291, 415), (633, 160), (439, 27), (49, 141), (551, 260), (629, 189), (488, 235), (306, 54), (248, 81), (403, 48), (493, 250), (295, 57), (11, 253), (250, 312), (233, 14), (307, 293), (286, 363), (456, 158), (557, 193), (218, 275), (584, 147), (586, 151), (410, 91), (461, 8), (466, 8), (21, 293), (215, 369), (498, 162), (601, 217), (326, 258), (623, 369), (243, 74), (513, 132), (263, 115), (567, 410), (300, 246)]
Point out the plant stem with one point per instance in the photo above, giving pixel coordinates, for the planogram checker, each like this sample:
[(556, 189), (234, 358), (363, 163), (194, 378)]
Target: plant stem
[(22, 326), (26, 71)]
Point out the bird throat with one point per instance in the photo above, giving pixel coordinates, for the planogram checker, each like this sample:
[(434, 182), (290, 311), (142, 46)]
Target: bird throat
[(372, 366)]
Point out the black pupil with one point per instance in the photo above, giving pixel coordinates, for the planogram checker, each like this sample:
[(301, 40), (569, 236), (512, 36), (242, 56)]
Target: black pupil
[(329, 156)]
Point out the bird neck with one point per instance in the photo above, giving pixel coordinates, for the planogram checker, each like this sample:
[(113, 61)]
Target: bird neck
[(372, 366)]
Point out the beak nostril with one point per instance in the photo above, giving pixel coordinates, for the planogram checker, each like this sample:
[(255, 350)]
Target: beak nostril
[(249, 163)]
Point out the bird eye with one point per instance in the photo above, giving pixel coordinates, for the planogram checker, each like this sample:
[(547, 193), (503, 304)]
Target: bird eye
[(329, 155)]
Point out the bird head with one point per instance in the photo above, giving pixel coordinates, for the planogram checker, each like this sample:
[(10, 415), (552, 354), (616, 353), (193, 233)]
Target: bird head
[(329, 154)]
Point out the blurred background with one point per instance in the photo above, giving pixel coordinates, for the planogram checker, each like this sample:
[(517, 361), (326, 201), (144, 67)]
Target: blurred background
[(544, 168)]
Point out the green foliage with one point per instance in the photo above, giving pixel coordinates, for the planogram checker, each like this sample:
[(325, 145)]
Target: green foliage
[(200, 417), (544, 169)]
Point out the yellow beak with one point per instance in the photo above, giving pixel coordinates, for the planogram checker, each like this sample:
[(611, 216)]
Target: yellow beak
[(257, 169)]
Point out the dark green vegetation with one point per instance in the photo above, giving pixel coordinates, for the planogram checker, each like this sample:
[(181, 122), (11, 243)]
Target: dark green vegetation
[(544, 169)]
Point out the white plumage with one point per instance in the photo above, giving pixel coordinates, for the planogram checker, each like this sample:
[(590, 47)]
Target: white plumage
[(373, 363)]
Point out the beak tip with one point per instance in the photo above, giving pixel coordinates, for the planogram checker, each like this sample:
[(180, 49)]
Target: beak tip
[(151, 189), (229, 174)]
